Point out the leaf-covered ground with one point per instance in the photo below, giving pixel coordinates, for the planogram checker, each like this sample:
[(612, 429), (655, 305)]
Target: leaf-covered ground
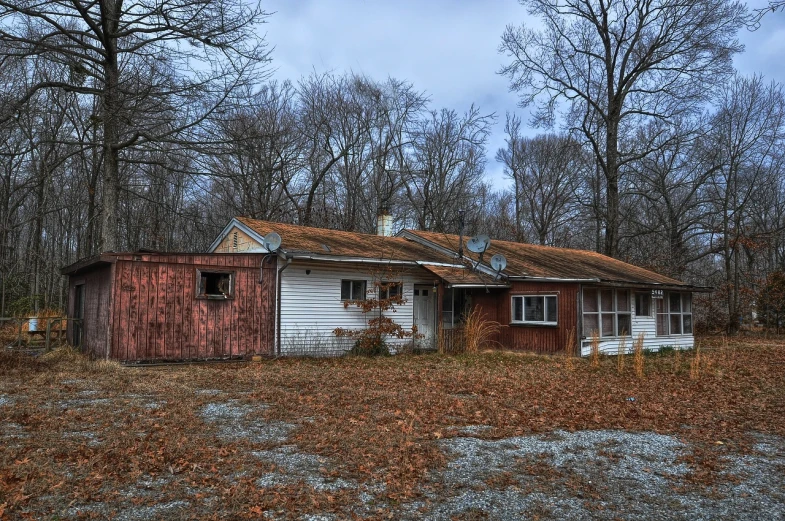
[(407, 436)]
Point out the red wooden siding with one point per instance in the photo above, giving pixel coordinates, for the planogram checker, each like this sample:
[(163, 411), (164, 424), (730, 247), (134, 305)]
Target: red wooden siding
[(97, 293), (158, 317), (497, 305)]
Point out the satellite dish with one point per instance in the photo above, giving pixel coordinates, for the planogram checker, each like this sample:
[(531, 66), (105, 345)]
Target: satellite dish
[(498, 262), (271, 242), (478, 244)]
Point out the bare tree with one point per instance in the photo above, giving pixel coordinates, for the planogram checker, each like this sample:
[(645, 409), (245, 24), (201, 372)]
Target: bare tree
[(754, 20), (545, 171), (667, 206), (257, 156), (616, 63), (143, 60), (748, 129), (446, 166)]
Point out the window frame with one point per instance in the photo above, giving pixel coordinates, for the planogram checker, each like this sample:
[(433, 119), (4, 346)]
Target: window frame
[(386, 286), (600, 311), (201, 292), (668, 314), (647, 295), (352, 297), (545, 309)]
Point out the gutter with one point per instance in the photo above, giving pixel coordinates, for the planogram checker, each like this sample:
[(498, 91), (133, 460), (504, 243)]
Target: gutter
[(278, 306), (550, 279), (359, 260), (494, 286)]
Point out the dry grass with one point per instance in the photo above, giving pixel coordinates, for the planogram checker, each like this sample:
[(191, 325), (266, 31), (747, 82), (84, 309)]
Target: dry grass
[(621, 351), (375, 420), (479, 332), (638, 356), (594, 356), (695, 363)]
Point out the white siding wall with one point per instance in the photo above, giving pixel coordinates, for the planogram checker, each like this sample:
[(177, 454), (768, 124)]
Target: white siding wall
[(651, 341), (311, 306)]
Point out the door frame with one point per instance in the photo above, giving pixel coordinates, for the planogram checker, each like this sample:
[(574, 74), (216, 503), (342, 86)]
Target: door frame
[(432, 296)]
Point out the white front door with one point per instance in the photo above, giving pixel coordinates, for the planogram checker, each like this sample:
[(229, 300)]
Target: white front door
[(424, 315)]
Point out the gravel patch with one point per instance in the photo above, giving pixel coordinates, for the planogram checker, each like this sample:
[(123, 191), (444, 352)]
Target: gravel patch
[(6, 400), (471, 430), (136, 513), (146, 487), (231, 420), (293, 466), (596, 475)]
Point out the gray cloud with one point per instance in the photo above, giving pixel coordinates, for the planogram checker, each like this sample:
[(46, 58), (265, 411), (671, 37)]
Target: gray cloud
[(448, 49)]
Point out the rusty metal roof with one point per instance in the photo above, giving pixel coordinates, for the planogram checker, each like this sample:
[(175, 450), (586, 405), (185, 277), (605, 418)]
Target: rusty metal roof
[(533, 261), (323, 242)]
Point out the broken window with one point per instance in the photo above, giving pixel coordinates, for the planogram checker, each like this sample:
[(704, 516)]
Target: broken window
[(214, 284)]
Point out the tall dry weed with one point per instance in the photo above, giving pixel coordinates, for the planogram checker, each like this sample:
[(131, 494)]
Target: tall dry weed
[(440, 340), (569, 349), (621, 351), (479, 332), (638, 357), (594, 357)]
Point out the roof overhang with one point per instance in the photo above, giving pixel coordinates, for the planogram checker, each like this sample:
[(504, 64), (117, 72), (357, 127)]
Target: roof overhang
[(104, 259), (460, 276), (654, 285)]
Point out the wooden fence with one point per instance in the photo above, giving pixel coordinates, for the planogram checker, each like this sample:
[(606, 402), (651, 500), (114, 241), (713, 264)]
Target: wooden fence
[(47, 330)]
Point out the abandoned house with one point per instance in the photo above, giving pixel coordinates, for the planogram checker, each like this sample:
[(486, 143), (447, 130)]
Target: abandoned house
[(247, 297)]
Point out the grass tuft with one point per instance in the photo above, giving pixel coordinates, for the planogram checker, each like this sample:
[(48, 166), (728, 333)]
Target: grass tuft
[(479, 332)]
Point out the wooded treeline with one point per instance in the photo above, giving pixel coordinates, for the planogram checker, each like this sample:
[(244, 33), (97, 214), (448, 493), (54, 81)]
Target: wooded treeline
[(111, 138)]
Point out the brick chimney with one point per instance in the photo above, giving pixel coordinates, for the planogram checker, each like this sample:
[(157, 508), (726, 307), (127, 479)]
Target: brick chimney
[(384, 222)]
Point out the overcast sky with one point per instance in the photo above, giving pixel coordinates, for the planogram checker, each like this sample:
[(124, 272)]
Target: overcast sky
[(447, 49)]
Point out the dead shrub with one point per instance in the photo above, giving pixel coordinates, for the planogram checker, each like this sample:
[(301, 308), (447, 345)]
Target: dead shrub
[(479, 332)]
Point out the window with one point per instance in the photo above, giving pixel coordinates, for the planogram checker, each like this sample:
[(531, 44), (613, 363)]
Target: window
[(642, 304), (674, 314), (538, 309), (388, 290), (214, 284), (606, 311), (353, 290)]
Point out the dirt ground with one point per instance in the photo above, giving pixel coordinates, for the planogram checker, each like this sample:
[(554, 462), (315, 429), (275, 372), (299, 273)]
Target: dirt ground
[(483, 436)]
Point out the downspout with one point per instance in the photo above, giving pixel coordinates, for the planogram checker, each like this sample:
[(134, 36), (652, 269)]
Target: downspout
[(278, 306), (460, 234)]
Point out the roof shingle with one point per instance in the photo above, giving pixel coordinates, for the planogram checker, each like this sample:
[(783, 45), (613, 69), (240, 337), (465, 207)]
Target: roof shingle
[(337, 243), (529, 260)]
